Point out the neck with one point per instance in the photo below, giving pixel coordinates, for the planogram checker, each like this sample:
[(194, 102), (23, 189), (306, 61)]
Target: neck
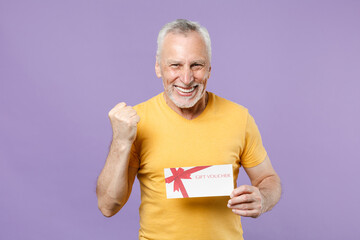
[(189, 113)]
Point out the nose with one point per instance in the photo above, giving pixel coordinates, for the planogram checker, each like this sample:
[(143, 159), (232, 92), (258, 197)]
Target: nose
[(187, 76)]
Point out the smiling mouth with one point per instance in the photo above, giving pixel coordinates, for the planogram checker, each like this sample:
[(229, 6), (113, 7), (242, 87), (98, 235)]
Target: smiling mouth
[(186, 90)]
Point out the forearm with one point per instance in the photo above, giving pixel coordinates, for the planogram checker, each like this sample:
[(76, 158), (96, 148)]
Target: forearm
[(270, 190), (113, 187)]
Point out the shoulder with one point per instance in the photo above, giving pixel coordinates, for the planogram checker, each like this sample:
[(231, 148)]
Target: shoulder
[(150, 103), (149, 110), (224, 105)]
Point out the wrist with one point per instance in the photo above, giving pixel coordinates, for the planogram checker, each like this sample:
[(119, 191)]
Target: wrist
[(122, 138), (121, 144)]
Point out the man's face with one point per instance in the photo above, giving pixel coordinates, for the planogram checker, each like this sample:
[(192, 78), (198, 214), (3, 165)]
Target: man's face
[(184, 67)]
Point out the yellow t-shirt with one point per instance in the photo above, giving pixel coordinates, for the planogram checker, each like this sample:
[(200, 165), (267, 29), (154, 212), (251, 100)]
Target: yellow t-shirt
[(224, 133)]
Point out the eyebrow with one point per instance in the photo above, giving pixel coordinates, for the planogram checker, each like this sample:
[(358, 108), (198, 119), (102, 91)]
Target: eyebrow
[(198, 61)]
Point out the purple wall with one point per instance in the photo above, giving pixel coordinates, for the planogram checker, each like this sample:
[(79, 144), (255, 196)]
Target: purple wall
[(65, 64)]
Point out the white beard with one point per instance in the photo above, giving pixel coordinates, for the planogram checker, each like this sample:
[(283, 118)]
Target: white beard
[(185, 102)]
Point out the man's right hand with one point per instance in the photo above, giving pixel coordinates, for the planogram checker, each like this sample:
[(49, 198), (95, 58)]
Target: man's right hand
[(124, 120), (116, 179)]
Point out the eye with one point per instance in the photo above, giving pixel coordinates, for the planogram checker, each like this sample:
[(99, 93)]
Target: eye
[(174, 65), (196, 66)]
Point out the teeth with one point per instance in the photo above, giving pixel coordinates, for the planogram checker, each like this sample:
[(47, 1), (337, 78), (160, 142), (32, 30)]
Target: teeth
[(185, 90)]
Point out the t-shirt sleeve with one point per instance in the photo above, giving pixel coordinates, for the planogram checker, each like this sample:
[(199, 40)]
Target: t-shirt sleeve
[(134, 157), (254, 152)]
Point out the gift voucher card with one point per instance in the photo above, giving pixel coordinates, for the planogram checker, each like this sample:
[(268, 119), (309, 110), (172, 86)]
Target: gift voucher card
[(200, 181)]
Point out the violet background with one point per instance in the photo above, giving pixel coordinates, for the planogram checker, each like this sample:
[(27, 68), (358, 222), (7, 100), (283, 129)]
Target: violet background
[(65, 64)]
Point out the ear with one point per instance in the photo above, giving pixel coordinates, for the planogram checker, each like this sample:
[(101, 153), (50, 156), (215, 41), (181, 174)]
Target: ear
[(209, 71), (157, 68)]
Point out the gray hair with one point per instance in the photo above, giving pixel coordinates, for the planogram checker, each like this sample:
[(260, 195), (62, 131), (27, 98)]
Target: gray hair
[(183, 26)]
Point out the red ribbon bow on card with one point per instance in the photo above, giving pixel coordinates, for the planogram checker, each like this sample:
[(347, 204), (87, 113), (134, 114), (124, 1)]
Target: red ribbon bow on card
[(182, 174)]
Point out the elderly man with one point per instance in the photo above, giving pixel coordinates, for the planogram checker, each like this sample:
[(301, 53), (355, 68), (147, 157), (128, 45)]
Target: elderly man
[(181, 127)]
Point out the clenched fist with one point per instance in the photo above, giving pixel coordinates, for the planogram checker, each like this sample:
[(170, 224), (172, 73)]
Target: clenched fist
[(124, 121)]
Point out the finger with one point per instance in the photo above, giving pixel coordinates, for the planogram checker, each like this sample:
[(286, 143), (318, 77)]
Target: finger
[(117, 107), (129, 112), (243, 206), (245, 198), (242, 190), (246, 213), (133, 121), (125, 111), (129, 108), (136, 118), (120, 105)]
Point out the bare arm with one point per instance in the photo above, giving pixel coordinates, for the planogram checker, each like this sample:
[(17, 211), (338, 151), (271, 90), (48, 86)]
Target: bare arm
[(262, 196), (116, 179)]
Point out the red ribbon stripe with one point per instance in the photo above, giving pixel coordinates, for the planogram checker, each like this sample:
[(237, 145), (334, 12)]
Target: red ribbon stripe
[(182, 174)]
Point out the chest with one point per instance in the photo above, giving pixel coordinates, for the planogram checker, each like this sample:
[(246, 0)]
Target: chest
[(166, 145)]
